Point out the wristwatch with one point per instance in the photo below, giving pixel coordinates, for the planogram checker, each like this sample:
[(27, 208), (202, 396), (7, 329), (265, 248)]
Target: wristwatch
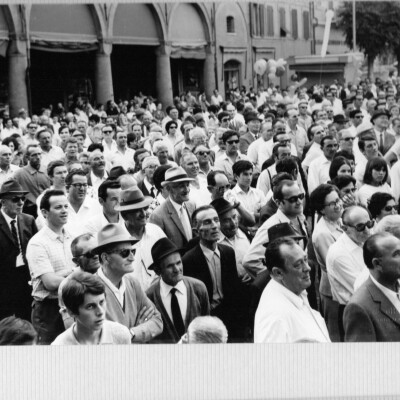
[(132, 333)]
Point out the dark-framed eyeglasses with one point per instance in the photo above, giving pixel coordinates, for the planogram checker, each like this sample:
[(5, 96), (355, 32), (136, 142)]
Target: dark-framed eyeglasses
[(79, 185), (89, 254), (347, 139), (203, 153), (124, 253), (224, 119), (17, 199), (223, 188), (361, 227), (333, 204), (390, 208), (232, 141), (295, 199)]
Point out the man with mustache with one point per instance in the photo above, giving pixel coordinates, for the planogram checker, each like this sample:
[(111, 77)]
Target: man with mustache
[(97, 174)]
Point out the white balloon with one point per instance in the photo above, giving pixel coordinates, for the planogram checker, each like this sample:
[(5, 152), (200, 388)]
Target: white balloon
[(260, 67)]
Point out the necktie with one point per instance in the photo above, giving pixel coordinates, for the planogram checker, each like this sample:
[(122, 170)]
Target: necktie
[(186, 223), (381, 142), (15, 237), (176, 314), (152, 194)]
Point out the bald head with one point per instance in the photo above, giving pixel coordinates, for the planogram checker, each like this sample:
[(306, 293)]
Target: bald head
[(207, 329)]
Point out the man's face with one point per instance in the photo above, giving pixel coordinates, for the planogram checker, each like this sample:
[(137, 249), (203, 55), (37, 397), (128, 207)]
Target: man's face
[(35, 157), (59, 175), (202, 154), (174, 114), (179, 191), (221, 186), (358, 119), (12, 205), (229, 223), (107, 132), (358, 101), (137, 130), (244, 179), (225, 122), (121, 139), (117, 262), (291, 205), (91, 262), (138, 217), (97, 161), (330, 148), (284, 138), (319, 133), (82, 127), (370, 149), (5, 158), (71, 150), (279, 128), (78, 188), (347, 140), (112, 201), (254, 126), (329, 112), (208, 226), (199, 138), (293, 117), (81, 140), (63, 133), (321, 116), (381, 122), (296, 274), (348, 109), (58, 213), (149, 171), (146, 120), (45, 140), (232, 145), (231, 111), (371, 106), (329, 96), (162, 154), (171, 269), (389, 262), (191, 165), (92, 313), (32, 128), (283, 152), (357, 218)]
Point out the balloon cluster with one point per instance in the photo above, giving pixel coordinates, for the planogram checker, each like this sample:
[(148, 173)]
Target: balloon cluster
[(272, 67)]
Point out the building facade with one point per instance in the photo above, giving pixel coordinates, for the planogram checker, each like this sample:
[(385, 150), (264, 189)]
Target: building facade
[(49, 52)]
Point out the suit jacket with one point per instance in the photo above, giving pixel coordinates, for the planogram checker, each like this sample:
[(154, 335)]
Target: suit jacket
[(388, 142), (234, 306), (166, 217), (370, 316), (245, 141), (144, 190), (197, 305), (13, 280)]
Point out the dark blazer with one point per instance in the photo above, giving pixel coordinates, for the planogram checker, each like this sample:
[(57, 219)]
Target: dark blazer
[(234, 306), (15, 292), (197, 305), (144, 190), (245, 141), (388, 142), (166, 217), (370, 316)]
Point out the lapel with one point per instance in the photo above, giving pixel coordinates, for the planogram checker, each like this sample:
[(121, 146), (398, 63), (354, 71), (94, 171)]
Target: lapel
[(175, 217), (5, 228), (189, 302), (386, 307)]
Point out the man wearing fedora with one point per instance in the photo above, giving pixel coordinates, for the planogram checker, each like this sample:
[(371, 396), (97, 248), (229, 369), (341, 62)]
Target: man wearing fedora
[(296, 132), (380, 120), (180, 299), (126, 301), (174, 215), (16, 229), (253, 123), (134, 207)]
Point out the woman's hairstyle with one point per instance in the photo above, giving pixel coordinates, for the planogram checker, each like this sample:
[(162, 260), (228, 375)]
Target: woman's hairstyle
[(336, 164), (17, 332), (377, 203), (375, 163)]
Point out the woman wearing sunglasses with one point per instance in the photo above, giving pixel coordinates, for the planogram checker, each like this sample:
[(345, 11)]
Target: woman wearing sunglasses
[(375, 180), (382, 204)]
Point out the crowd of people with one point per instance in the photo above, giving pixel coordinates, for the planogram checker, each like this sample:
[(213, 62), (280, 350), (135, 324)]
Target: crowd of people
[(270, 216)]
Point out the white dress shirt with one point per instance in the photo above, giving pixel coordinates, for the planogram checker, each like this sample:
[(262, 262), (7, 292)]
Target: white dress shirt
[(181, 295), (253, 200), (20, 260), (284, 317), (118, 292), (318, 173)]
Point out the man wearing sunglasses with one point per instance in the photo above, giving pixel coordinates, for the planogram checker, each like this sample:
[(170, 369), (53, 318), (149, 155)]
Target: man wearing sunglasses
[(16, 229), (344, 261), (126, 301)]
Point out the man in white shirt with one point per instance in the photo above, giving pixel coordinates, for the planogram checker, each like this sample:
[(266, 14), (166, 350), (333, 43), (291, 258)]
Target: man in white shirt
[(97, 173), (123, 155), (373, 313), (180, 299), (284, 314), (344, 261), (316, 133), (6, 168), (49, 152), (254, 152), (296, 132), (319, 168)]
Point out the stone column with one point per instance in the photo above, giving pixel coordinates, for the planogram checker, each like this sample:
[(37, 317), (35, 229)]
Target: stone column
[(163, 75), (103, 74), (17, 83), (209, 71)]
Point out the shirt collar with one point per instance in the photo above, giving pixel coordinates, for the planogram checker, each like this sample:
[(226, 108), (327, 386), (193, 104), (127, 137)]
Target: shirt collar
[(120, 290), (8, 218), (298, 300), (209, 253), (177, 206), (54, 236), (32, 170), (165, 289)]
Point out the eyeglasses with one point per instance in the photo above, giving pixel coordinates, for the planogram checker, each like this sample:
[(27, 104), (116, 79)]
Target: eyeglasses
[(348, 191), (347, 139), (85, 162), (79, 185), (232, 141), (107, 131), (124, 253), (32, 127), (203, 153), (361, 227), (334, 203), (295, 199), (17, 199), (224, 119), (359, 116), (87, 255), (390, 208), (331, 146), (286, 141), (223, 188)]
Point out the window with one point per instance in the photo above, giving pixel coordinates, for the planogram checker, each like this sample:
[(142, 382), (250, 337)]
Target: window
[(257, 19), (270, 21), (306, 25), (282, 22), (295, 33), (230, 24)]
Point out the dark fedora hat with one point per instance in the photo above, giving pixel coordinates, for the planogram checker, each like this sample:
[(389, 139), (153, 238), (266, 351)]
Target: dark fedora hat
[(11, 188), (379, 113), (283, 229), (161, 249), (133, 199), (222, 206), (340, 119), (251, 116)]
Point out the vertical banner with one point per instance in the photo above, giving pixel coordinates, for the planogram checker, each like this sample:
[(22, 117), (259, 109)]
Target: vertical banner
[(328, 21)]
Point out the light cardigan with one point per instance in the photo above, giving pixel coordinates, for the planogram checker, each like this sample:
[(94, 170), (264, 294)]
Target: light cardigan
[(135, 300)]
